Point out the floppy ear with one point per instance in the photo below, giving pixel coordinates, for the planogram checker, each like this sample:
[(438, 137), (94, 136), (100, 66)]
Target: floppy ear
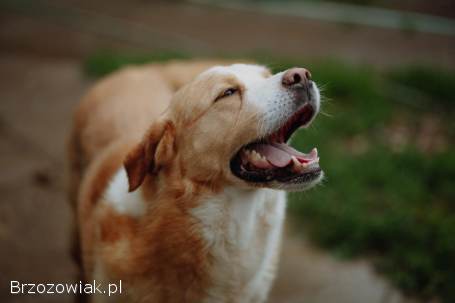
[(155, 150)]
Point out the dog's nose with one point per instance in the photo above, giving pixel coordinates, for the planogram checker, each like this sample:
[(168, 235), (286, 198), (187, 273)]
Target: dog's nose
[(296, 77)]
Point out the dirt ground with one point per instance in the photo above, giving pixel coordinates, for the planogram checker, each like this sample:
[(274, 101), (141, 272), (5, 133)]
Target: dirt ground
[(41, 80)]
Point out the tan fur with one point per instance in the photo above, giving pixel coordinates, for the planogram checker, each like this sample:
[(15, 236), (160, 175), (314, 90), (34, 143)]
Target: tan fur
[(173, 156)]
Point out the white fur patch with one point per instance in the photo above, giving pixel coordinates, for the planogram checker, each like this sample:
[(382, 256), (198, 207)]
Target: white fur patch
[(118, 197), (242, 229)]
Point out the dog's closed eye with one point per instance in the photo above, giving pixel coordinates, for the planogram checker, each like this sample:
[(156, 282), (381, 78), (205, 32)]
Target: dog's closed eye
[(226, 93)]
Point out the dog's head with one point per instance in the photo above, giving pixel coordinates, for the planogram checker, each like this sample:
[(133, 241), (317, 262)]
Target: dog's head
[(231, 125)]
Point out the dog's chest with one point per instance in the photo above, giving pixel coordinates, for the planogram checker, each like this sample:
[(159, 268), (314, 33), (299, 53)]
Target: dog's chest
[(242, 230)]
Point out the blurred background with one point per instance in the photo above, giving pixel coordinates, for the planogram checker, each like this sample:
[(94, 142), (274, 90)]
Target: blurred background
[(382, 226)]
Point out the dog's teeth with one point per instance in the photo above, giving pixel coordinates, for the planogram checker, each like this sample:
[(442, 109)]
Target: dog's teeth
[(313, 153), (255, 156), (296, 165), (259, 156), (295, 161), (259, 160)]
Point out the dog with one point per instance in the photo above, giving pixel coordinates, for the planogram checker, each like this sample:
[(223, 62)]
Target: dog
[(179, 173)]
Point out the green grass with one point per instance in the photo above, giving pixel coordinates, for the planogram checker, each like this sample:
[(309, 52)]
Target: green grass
[(430, 81), (393, 205)]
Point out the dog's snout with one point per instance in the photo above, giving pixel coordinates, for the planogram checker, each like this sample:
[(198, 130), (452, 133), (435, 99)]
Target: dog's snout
[(296, 76)]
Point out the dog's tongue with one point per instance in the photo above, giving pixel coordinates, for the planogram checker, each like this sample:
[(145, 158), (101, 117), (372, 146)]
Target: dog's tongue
[(280, 154)]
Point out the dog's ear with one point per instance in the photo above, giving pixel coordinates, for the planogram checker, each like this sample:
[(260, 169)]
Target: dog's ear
[(154, 151)]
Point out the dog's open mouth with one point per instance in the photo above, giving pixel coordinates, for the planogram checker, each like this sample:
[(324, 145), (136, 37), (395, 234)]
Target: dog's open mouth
[(272, 159)]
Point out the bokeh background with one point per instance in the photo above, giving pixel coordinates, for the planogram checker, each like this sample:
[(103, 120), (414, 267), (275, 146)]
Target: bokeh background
[(382, 226)]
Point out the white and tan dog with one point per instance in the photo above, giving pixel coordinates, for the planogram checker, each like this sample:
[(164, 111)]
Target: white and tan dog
[(180, 194)]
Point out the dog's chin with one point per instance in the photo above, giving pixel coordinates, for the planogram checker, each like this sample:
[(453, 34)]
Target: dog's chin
[(270, 162), (300, 184)]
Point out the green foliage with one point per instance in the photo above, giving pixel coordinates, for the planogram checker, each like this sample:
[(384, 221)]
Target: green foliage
[(395, 206), (436, 84)]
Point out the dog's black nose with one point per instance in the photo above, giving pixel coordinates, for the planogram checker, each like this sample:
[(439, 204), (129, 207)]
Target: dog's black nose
[(296, 77)]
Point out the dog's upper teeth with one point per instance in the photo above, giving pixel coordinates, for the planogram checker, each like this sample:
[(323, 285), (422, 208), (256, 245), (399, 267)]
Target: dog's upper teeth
[(297, 166)]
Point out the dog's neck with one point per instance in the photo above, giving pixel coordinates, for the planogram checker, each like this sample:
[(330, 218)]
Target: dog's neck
[(225, 241), (233, 215), (242, 229)]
